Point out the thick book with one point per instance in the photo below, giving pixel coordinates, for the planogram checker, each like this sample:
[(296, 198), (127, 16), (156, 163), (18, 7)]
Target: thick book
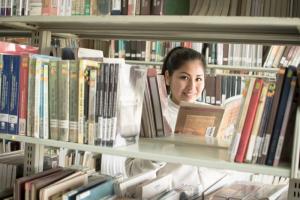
[(208, 120), (23, 94), (5, 93), (249, 120), (53, 99), (13, 120), (272, 117), (280, 114)]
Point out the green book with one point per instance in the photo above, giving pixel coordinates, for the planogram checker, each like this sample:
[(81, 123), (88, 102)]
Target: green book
[(73, 101), (53, 99), (176, 7)]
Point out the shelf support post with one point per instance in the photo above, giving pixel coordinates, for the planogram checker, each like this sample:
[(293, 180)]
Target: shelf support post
[(34, 158)]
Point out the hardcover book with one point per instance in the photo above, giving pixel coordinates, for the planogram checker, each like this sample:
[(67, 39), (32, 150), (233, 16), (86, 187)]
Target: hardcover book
[(208, 120)]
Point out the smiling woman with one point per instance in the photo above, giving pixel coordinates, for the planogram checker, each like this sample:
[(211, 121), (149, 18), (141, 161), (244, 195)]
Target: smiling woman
[(184, 71)]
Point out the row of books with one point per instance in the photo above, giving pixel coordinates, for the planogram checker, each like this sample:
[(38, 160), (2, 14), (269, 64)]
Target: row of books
[(266, 119), (276, 8), (75, 101), (11, 168), (9, 146), (266, 8)]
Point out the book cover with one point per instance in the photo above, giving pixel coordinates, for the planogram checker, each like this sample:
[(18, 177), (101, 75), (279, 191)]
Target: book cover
[(31, 94), (5, 93), (176, 7), (44, 106), (249, 120), (92, 106), (63, 99), (53, 99), (73, 101), (272, 117), (13, 121), (291, 71), (23, 94)]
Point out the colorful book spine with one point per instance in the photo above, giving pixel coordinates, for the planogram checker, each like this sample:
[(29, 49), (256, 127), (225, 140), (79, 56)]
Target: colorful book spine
[(1, 68), (82, 68), (13, 113), (31, 94), (247, 128), (37, 98), (44, 106), (92, 106), (63, 100), (53, 99), (5, 93), (23, 95), (280, 115), (73, 88)]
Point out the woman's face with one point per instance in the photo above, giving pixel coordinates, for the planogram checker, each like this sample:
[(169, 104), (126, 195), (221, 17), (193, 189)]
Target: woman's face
[(187, 82)]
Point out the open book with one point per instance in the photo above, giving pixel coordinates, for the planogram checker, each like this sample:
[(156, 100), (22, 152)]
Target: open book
[(208, 120)]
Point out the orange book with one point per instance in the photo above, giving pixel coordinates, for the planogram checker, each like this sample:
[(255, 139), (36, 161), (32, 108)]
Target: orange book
[(250, 117)]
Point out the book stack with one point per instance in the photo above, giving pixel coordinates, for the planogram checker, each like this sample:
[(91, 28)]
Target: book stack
[(266, 119), (155, 118), (11, 168), (9, 146), (80, 101)]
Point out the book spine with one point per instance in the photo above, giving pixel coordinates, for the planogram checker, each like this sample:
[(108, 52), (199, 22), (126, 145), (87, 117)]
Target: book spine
[(263, 124), (5, 93), (37, 98), (280, 115), (13, 121), (92, 106), (53, 99), (115, 102), (1, 69), (31, 94), (101, 106), (287, 116), (63, 100), (271, 120), (97, 110), (110, 103), (73, 109), (249, 121), (81, 101), (105, 103), (23, 95), (87, 7)]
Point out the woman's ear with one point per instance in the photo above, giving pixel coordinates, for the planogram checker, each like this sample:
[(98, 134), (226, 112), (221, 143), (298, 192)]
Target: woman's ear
[(167, 78)]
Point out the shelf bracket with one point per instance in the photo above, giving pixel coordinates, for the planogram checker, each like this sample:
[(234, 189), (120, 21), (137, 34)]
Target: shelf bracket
[(34, 158)]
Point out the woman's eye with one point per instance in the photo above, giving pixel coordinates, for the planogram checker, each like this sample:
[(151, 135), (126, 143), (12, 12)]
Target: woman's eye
[(198, 79), (184, 77)]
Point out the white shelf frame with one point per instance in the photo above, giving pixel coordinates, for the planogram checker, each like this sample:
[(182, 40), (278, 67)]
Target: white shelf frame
[(266, 30), (165, 151)]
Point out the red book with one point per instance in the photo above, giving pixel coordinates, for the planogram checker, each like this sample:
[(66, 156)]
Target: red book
[(250, 117), (23, 92)]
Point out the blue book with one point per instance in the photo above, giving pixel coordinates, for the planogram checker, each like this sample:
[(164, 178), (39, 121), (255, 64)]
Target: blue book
[(5, 93), (280, 115), (13, 119), (98, 191)]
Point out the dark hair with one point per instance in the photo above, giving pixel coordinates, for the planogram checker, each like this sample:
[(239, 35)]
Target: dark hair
[(178, 56)]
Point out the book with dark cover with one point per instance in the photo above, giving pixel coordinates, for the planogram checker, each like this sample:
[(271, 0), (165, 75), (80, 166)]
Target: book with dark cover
[(145, 7), (286, 118), (176, 7), (272, 117), (291, 71), (264, 122), (105, 7), (124, 7), (13, 120), (157, 7), (5, 93)]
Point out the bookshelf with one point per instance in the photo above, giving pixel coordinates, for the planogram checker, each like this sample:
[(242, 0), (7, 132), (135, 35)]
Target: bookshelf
[(265, 30), (190, 28), (167, 151)]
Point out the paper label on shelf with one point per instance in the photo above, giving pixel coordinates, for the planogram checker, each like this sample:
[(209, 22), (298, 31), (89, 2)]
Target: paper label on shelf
[(279, 147), (13, 119), (257, 145)]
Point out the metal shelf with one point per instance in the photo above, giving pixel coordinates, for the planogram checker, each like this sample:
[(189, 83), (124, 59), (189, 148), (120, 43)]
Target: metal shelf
[(184, 153), (269, 30)]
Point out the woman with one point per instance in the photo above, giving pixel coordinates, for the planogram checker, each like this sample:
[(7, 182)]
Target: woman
[(184, 71)]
